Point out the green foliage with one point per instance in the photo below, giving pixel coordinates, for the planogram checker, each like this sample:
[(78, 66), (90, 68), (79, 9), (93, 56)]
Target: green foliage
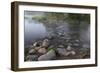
[(51, 17), (51, 49), (77, 18), (72, 18), (55, 16)]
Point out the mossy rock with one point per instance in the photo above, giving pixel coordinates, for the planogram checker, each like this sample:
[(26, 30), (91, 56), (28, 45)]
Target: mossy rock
[(51, 49)]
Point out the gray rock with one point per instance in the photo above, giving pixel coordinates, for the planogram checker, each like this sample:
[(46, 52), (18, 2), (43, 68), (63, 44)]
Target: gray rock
[(76, 44), (62, 52), (60, 46), (51, 46), (48, 56), (69, 47), (37, 48), (37, 44), (32, 51), (31, 58), (45, 43), (77, 40), (42, 50), (73, 52), (86, 46)]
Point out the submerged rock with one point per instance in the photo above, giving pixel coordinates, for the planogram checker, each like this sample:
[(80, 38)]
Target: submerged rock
[(31, 58), (32, 51), (86, 46), (77, 40), (61, 46), (62, 52), (76, 44), (48, 56)]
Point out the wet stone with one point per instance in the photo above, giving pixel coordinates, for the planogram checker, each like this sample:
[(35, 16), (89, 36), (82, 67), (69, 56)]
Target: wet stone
[(42, 50), (48, 56), (31, 58), (32, 51), (61, 51)]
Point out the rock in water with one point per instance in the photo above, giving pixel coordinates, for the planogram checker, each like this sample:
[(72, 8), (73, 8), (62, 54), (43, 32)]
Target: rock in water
[(61, 46), (73, 52), (32, 51), (45, 43), (37, 44), (31, 58), (77, 40), (69, 47), (37, 48), (62, 52), (48, 56), (76, 44), (86, 46), (42, 50)]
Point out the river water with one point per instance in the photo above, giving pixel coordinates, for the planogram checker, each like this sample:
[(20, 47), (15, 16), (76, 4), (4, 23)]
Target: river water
[(35, 30)]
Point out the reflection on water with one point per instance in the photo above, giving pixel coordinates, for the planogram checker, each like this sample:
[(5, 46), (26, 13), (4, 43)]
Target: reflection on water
[(33, 30)]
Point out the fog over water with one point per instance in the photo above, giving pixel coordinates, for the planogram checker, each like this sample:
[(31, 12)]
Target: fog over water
[(35, 30)]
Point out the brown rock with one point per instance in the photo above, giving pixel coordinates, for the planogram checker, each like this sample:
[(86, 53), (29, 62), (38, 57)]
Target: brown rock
[(37, 48), (42, 50)]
